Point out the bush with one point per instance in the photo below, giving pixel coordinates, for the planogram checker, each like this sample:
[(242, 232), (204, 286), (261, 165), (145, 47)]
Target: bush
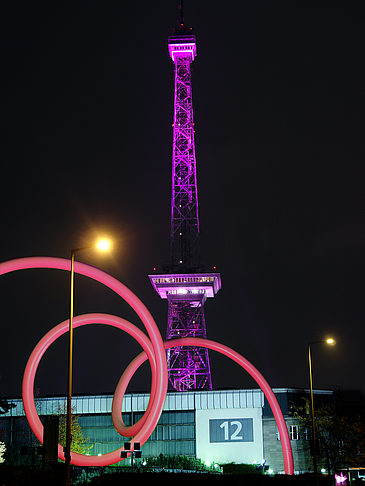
[(174, 462), (232, 468)]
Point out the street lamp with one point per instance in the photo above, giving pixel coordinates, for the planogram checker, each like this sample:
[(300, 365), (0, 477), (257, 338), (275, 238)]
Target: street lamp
[(102, 245), (331, 342)]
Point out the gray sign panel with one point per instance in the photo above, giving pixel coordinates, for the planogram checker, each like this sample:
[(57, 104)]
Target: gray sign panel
[(231, 430)]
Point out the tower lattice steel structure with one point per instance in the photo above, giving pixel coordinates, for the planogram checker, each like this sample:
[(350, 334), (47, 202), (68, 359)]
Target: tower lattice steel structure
[(184, 284)]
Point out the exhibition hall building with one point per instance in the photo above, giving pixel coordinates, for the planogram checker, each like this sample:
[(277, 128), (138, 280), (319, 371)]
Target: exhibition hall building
[(217, 427)]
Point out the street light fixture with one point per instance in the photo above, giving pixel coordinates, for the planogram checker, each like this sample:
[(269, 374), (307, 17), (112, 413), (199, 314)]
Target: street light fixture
[(102, 245), (331, 342)]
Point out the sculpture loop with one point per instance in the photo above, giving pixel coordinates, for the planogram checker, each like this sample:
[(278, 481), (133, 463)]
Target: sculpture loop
[(154, 351)]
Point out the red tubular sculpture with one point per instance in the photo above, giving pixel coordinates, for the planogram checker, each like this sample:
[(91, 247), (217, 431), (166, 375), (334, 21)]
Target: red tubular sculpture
[(154, 351)]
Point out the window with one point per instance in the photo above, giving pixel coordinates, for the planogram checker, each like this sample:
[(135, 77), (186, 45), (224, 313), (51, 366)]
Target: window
[(294, 432)]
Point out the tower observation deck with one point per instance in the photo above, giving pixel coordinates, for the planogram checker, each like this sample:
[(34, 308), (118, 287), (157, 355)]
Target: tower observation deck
[(185, 286)]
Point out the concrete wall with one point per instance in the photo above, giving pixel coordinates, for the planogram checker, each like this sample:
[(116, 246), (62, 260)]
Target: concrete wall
[(273, 451)]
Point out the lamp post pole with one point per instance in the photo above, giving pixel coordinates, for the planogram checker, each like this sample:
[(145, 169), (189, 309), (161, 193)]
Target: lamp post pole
[(67, 449), (312, 411), (331, 342), (102, 245)]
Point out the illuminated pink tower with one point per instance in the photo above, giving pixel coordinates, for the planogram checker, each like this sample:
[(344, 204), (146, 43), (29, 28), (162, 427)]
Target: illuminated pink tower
[(184, 284)]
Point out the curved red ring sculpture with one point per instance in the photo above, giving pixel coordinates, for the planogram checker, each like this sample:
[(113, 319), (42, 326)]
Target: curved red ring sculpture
[(159, 366), (31, 369), (220, 348), (154, 350)]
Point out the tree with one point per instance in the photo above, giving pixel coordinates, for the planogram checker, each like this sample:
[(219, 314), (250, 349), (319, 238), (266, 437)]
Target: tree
[(79, 443), (340, 432), (2, 451), (5, 406)]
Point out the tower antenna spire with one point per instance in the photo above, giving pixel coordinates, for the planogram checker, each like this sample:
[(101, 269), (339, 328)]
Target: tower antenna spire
[(180, 28), (181, 8)]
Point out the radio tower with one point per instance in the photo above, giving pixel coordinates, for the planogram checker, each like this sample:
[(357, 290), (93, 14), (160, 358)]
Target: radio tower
[(183, 284)]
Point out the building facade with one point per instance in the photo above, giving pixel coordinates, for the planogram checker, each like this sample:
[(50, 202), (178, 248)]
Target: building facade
[(225, 426)]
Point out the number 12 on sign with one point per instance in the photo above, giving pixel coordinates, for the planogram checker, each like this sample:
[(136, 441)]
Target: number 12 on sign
[(228, 426), (231, 430)]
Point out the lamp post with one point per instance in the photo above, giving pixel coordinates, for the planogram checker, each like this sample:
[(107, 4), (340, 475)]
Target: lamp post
[(102, 245), (330, 342)]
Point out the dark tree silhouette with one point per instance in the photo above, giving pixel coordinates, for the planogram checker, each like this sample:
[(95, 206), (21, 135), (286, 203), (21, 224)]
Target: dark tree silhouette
[(5, 406)]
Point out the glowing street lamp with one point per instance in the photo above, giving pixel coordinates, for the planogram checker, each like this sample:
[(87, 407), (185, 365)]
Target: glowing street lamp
[(331, 342), (102, 245)]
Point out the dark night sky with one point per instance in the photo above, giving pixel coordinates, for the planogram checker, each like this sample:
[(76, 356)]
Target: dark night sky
[(87, 103)]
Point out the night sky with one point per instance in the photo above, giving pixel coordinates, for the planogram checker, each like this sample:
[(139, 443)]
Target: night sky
[(86, 143)]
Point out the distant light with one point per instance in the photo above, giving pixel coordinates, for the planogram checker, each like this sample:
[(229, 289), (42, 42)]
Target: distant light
[(270, 471), (340, 478), (330, 341), (323, 470), (207, 463)]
